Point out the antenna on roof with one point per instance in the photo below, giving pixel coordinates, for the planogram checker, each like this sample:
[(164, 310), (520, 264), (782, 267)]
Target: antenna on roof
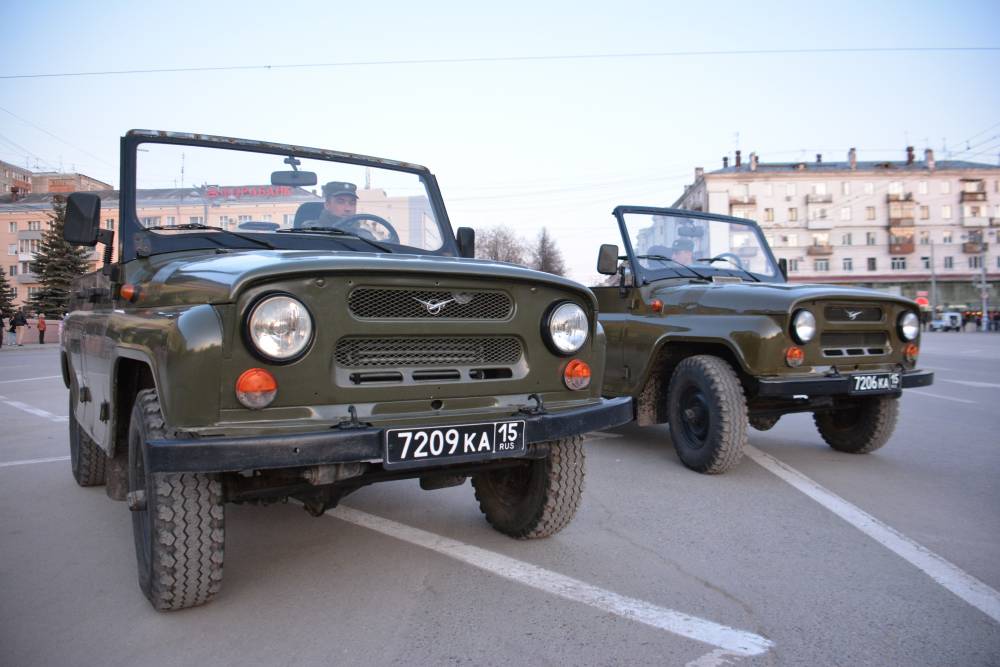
[(182, 170)]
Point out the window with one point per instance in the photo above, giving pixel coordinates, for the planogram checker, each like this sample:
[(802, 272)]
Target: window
[(267, 217), (946, 237), (171, 221), (288, 218), (194, 220), (925, 237), (12, 227), (946, 212), (819, 188), (793, 265), (896, 187), (973, 186), (34, 225), (925, 212), (848, 264), (949, 262), (870, 238), (741, 190), (821, 239), (13, 269), (898, 263), (768, 215), (12, 249), (869, 188), (998, 262), (790, 189), (790, 240), (793, 214), (151, 221), (945, 187), (821, 265), (109, 223), (845, 213), (922, 187), (869, 212), (845, 188), (244, 218), (845, 239), (872, 265), (971, 211), (975, 262)]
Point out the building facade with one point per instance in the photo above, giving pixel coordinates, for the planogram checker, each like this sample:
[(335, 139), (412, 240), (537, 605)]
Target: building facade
[(917, 228), (14, 181)]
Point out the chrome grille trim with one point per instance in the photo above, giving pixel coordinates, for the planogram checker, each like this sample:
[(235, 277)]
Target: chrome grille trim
[(408, 303), (427, 351)]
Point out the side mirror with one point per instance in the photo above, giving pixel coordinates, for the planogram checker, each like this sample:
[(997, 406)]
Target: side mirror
[(607, 259), (466, 242), (783, 267), (293, 178), (83, 219)]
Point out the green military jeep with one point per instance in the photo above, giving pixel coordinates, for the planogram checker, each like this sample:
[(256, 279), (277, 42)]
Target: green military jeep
[(256, 341), (705, 334)]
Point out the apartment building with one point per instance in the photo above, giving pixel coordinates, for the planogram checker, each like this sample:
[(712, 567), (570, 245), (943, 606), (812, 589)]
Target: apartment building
[(882, 224), (14, 181)]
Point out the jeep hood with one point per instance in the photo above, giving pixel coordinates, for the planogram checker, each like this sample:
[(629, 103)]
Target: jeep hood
[(194, 278), (762, 298)]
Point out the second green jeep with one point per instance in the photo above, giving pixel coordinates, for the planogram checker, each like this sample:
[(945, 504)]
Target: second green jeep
[(705, 334), (255, 340)]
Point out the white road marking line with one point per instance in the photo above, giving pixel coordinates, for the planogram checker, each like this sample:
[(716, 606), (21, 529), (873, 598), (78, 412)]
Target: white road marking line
[(921, 392), (970, 383), (716, 658), (46, 377), (38, 412), (8, 464), (735, 641), (962, 584)]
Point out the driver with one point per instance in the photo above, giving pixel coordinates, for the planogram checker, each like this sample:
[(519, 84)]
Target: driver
[(683, 251), (341, 203)]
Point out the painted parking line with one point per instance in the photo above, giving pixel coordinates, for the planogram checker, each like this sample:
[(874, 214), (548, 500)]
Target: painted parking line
[(962, 584), (38, 412), (921, 392), (27, 462), (970, 383), (44, 377), (729, 640)]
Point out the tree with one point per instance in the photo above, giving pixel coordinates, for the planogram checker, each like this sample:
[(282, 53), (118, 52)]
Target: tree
[(501, 244), (57, 264), (6, 306), (545, 255)]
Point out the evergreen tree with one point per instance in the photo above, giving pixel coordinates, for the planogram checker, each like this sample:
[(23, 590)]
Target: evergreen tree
[(6, 306), (57, 263), (546, 256)]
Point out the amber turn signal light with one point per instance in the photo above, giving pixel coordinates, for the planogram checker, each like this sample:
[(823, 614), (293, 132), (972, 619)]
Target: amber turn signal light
[(911, 352), (256, 388), (794, 356), (129, 292), (656, 305), (577, 375)]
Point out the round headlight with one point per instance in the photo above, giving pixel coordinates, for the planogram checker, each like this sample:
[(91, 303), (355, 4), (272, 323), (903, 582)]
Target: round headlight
[(280, 327), (803, 326), (909, 325), (566, 328)]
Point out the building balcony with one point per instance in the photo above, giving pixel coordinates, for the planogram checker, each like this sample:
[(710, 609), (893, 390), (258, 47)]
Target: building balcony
[(906, 221), (972, 196), (975, 221), (29, 235), (26, 257), (903, 248), (899, 196), (819, 199), (994, 222), (27, 278), (749, 200), (819, 250), (974, 247)]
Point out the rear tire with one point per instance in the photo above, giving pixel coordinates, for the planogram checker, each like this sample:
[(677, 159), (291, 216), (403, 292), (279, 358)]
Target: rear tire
[(861, 428), (536, 500), (87, 460), (180, 533), (708, 414)]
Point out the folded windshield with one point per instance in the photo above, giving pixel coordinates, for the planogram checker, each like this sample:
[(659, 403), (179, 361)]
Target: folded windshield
[(182, 190), (675, 245)]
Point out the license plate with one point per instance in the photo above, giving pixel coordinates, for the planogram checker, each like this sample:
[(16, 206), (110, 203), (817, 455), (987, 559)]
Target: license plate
[(413, 447), (874, 383)]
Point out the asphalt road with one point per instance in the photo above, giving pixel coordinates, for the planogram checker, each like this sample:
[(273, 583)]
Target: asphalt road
[(799, 556)]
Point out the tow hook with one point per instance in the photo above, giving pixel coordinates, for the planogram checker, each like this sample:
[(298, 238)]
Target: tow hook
[(537, 409), (136, 500)]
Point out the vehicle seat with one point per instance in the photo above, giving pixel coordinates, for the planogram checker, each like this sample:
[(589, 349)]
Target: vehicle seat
[(307, 212)]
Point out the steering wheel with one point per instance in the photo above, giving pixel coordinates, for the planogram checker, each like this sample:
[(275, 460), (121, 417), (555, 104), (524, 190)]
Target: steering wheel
[(736, 259), (350, 224)]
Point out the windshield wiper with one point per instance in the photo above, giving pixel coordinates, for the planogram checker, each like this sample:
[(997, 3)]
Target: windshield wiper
[(333, 231), (198, 225), (720, 258), (670, 259)]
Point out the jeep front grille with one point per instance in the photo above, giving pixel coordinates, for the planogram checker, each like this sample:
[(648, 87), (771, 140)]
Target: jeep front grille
[(392, 351), (854, 344), (859, 313), (394, 303)]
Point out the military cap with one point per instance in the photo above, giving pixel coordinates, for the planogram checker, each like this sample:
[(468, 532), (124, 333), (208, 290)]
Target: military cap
[(334, 188), (683, 244)]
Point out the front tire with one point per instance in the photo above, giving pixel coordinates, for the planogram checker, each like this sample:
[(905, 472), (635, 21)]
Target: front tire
[(860, 428), (536, 500), (87, 460), (178, 521), (708, 414)]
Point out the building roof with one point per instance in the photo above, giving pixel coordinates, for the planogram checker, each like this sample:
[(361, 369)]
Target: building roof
[(875, 166)]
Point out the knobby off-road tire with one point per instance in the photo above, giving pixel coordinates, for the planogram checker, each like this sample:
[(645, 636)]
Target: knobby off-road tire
[(180, 535), (708, 414), (536, 500), (862, 428), (87, 460)]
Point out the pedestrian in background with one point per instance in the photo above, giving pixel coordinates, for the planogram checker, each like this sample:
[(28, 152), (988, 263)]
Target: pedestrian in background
[(3, 328), (19, 323), (9, 331), (41, 328)]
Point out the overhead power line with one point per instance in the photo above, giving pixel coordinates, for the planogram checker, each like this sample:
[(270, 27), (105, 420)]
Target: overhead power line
[(501, 59)]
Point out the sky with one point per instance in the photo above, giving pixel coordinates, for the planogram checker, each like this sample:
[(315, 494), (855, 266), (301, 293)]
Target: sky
[(521, 141)]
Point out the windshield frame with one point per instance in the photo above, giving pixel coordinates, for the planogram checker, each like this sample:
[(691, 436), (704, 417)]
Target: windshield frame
[(134, 240), (644, 275)]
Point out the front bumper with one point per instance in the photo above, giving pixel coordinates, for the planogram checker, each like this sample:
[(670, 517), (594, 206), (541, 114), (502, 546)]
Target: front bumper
[(347, 445), (832, 385)]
